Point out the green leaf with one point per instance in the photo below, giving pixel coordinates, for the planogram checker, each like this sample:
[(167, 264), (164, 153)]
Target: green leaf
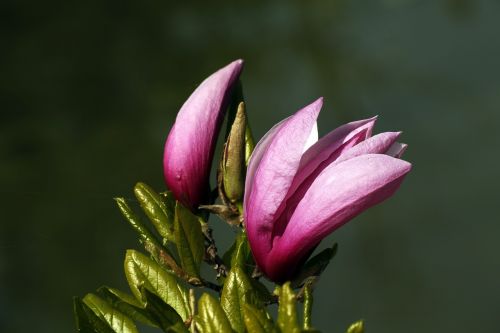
[(314, 266), (156, 210), (151, 244), (108, 292), (144, 233), (357, 327), (239, 254), (249, 144), (162, 313), (177, 328), (258, 320), (86, 320), (142, 271), (234, 294), (189, 240), (287, 312), (211, 317), (242, 255), (261, 292), (118, 322), (127, 304), (308, 302)]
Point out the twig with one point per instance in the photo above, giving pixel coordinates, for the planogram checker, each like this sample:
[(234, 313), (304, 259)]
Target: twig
[(168, 261), (212, 285), (257, 273), (274, 299), (212, 258)]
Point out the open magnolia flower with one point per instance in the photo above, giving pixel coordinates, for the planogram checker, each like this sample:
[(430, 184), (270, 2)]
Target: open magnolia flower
[(190, 145), (298, 189), (294, 191)]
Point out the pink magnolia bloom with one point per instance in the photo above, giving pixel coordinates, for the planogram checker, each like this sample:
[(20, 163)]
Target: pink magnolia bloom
[(191, 142), (299, 189)]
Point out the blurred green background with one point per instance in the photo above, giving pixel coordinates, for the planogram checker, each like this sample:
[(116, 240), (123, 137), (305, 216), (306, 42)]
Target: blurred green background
[(89, 90)]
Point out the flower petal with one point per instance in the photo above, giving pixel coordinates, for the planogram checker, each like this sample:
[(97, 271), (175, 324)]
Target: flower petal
[(315, 159), (328, 145), (397, 149), (338, 194), (378, 144), (191, 142), (271, 170)]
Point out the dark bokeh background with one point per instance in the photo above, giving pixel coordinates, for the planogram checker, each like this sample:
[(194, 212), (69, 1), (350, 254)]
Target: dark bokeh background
[(89, 90)]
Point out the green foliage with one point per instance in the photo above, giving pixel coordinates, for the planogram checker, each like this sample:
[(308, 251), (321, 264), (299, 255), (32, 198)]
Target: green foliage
[(164, 315), (158, 212), (287, 310), (211, 317), (87, 321), (234, 294), (308, 302), (258, 320), (144, 272), (145, 234), (126, 304), (160, 296), (357, 327), (314, 266), (189, 240), (239, 254), (116, 320)]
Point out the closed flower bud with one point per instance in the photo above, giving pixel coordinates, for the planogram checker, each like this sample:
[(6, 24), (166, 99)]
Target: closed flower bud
[(233, 164), (191, 142)]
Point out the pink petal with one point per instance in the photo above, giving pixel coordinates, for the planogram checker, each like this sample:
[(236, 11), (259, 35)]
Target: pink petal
[(191, 142), (397, 149), (298, 190), (318, 157), (330, 142), (338, 194), (378, 144), (328, 145), (271, 170)]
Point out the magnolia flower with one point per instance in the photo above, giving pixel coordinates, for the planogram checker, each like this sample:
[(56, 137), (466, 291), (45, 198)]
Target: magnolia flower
[(191, 142), (298, 189)]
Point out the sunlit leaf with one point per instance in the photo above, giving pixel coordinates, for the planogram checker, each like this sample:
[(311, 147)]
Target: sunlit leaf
[(308, 302), (87, 321), (118, 322), (287, 310), (150, 242), (234, 294), (189, 240), (258, 320), (156, 210), (127, 304), (211, 317), (143, 271), (144, 233), (163, 314), (357, 327), (239, 254)]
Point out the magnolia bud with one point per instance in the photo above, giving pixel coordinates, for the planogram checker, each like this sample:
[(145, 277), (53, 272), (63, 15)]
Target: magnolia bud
[(190, 145), (233, 165)]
